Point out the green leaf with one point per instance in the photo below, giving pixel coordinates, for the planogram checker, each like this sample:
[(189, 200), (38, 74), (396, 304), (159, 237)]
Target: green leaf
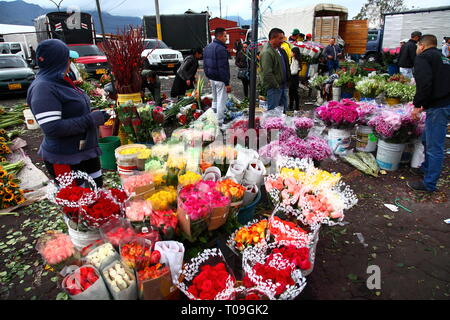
[(400, 265), (27, 289), (352, 277), (3, 273), (54, 279), (62, 296)]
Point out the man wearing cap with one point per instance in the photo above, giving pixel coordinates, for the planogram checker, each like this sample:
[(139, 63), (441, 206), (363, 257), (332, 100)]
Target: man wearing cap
[(308, 37), (74, 74), (295, 36), (408, 55)]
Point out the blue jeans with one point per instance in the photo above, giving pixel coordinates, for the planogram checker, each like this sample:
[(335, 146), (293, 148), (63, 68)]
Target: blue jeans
[(276, 98), (332, 65), (433, 139)]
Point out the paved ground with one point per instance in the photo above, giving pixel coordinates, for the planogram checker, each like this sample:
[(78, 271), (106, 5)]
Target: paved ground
[(410, 248)]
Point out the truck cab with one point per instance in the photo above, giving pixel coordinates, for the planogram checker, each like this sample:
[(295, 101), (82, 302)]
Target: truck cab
[(373, 47), (17, 48)]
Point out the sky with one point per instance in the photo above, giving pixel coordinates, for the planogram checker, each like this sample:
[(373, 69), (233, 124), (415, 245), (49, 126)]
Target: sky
[(242, 8)]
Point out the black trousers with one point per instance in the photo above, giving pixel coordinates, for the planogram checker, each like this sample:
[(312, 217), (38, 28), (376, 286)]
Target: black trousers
[(293, 93), (179, 87), (91, 166), (245, 84)]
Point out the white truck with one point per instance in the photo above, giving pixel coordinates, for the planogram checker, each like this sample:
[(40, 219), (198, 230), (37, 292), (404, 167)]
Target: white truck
[(400, 25)]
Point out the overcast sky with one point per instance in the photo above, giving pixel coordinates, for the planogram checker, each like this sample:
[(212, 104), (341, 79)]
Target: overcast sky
[(229, 7)]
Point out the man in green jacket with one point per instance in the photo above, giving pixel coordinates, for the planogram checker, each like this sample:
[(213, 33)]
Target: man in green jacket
[(275, 70)]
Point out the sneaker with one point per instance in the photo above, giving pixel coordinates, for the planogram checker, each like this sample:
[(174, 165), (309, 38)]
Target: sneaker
[(417, 186), (416, 172)]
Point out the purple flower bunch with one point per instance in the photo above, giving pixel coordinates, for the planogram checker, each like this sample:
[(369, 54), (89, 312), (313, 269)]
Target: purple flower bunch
[(339, 115), (396, 125), (312, 147), (273, 123), (303, 123)]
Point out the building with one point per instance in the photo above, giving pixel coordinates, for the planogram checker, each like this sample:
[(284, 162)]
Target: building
[(233, 30)]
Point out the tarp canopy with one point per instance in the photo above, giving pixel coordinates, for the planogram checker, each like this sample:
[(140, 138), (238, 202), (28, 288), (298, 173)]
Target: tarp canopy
[(298, 18), (13, 28)]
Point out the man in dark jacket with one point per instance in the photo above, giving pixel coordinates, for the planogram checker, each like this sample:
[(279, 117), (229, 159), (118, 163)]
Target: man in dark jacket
[(333, 52), (217, 69), (432, 74), (408, 55), (185, 77), (275, 70), (151, 81)]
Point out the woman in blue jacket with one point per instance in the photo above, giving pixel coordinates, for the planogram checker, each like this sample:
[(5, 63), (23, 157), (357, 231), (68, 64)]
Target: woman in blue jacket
[(63, 112)]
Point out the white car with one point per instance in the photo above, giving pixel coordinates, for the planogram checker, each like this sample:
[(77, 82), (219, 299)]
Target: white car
[(160, 57)]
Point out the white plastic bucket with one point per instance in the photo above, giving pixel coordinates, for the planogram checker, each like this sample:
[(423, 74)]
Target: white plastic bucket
[(389, 155), (336, 93), (30, 120), (366, 141), (83, 239), (339, 140), (418, 155)]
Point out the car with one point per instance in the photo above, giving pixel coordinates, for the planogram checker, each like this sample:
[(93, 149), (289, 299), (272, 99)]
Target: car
[(160, 57), (15, 75), (91, 59)]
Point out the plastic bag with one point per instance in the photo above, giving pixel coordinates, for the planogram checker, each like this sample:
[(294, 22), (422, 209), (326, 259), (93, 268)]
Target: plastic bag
[(120, 281), (85, 283), (100, 254)]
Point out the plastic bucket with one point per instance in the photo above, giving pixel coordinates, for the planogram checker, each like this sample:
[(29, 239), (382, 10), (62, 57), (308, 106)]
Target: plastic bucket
[(392, 101), (336, 93), (346, 95), (30, 121), (418, 156), (105, 131), (108, 145), (83, 239), (124, 98), (365, 139), (245, 214), (393, 69), (389, 155), (339, 140)]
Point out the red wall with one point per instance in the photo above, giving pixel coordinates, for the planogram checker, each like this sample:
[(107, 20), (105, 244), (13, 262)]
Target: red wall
[(221, 23), (233, 31)]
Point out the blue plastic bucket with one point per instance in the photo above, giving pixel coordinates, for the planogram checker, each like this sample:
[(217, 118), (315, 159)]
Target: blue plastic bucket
[(246, 213)]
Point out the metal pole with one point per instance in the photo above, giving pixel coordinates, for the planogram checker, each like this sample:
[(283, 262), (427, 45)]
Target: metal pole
[(254, 50), (101, 19), (158, 20), (220, 6)]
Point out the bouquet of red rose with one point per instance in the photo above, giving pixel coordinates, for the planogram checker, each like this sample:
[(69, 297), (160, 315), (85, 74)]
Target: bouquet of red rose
[(166, 221), (104, 209), (207, 277), (275, 269), (85, 283)]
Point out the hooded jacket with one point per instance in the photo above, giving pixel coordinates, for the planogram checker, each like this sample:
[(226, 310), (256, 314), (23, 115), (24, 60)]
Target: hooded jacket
[(62, 110)]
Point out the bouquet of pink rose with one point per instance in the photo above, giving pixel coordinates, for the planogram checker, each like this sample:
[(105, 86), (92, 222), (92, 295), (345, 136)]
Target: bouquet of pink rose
[(57, 249), (339, 115)]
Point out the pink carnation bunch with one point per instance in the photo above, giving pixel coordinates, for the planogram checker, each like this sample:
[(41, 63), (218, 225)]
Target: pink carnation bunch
[(55, 247), (338, 114), (366, 111), (303, 123), (273, 123)]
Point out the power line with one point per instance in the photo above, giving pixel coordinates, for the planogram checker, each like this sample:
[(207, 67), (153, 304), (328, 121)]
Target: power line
[(117, 5)]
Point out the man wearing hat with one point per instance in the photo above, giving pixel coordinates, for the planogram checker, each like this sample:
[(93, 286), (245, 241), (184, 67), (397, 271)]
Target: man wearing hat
[(408, 55), (308, 37), (74, 74), (295, 36)]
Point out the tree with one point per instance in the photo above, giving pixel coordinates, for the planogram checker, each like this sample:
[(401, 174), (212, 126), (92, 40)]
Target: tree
[(373, 10), (58, 5)]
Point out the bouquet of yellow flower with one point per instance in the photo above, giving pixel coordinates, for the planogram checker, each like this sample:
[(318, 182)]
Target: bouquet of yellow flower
[(248, 235), (4, 149), (188, 178), (10, 193), (163, 198)]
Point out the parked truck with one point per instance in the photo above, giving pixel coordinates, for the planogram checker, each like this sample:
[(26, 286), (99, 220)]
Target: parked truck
[(72, 28), (182, 32), (399, 26), (322, 21)]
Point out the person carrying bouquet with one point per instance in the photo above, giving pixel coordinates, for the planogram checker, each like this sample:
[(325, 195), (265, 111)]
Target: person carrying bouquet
[(63, 112), (432, 74)]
